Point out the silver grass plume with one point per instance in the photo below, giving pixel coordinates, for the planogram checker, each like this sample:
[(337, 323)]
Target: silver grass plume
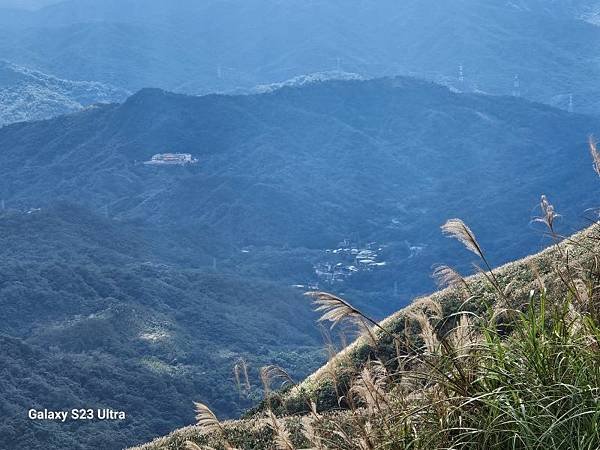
[(595, 154), (432, 343), (457, 229), (189, 445), (206, 419), (334, 309), (240, 371), (367, 333), (433, 306), (549, 215), (371, 387), (311, 435), (575, 319), (462, 336), (509, 288), (209, 424), (270, 373), (313, 410), (446, 276), (581, 292), (282, 437)]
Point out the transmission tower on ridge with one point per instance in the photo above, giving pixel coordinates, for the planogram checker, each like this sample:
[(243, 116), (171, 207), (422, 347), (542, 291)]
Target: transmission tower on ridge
[(516, 87), (570, 103)]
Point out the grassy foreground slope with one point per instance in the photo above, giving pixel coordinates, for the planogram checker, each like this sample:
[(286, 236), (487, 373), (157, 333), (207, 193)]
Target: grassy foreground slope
[(504, 359)]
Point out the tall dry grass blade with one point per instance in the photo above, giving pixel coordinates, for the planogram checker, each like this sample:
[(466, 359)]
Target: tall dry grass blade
[(334, 309), (371, 387), (189, 445), (206, 419), (240, 372), (491, 278), (537, 276), (428, 335), (549, 215), (270, 373), (582, 292), (366, 333), (457, 229), (462, 337), (311, 435), (283, 439), (446, 276), (433, 306), (595, 154)]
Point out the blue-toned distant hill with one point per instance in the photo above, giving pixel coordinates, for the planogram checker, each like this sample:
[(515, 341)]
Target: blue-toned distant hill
[(30, 95), (223, 45)]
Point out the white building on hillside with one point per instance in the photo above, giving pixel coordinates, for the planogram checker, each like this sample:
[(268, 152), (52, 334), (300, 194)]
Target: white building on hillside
[(179, 159)]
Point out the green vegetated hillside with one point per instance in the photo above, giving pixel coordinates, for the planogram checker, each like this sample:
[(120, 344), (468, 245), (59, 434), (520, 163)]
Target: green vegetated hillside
[(27, 95), (287, 175), (506, 357), (191, 46), (94, 315)]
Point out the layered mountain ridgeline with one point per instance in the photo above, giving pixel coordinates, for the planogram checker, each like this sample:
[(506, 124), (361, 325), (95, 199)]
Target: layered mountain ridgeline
[(31, 95), (509, 355), (101, 314), (189, 46), (293, 183)]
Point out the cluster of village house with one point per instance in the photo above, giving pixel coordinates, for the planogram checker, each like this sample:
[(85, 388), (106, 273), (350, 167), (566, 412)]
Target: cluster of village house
[(348, 259)]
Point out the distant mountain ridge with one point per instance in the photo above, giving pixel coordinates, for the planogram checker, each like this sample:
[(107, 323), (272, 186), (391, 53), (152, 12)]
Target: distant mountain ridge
[(303, 80), (133, 44), (27, 95)]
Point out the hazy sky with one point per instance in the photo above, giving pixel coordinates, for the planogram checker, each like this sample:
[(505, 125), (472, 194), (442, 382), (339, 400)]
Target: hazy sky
[(26, 4)]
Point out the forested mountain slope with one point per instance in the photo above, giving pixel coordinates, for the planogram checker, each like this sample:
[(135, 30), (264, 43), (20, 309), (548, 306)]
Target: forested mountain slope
[(284, 176), (27, 95), (94, 314)]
